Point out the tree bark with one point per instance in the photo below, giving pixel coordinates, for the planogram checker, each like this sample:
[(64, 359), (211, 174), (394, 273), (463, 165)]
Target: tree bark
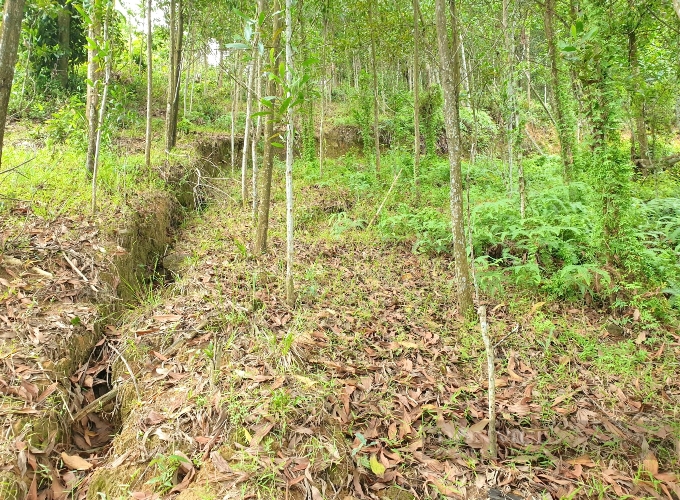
[(265, 183), (102, 106), (149, 83), (376, 121), (9, 46), (637, 101), (508, 36), (94, 74), (416, 98), (174, 73), (290, 286), (246, 134), (64, 36), (220, 71), (235, 98), (449, 66), (565, 130), (676, 6)]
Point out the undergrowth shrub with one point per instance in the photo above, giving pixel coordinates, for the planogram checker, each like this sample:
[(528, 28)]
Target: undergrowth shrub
[(429, 229), (68, 125)]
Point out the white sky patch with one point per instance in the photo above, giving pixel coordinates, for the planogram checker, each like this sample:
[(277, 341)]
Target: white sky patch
[(132, 10)]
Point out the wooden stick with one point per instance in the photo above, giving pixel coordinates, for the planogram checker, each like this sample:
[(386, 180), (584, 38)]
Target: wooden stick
[(100, 401), (396, 177), (491, 369)]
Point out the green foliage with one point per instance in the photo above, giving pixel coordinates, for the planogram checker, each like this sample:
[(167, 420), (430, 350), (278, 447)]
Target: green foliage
[(610, 172), (432, 118), (361, 109), (430, 230), (68, 125), (341, 223), (166, 470), (477, 125)]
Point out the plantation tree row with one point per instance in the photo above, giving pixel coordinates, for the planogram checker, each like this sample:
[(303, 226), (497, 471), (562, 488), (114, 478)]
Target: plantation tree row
[(594, 73)]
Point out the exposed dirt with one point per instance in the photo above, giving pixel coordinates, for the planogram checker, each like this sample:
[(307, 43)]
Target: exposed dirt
[(64, 282)]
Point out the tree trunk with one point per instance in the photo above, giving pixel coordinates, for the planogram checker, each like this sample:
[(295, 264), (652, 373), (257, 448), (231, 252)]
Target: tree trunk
[(676, 6), (102, 106), (257, 132), (508, 36), (220, 71), (565, 130), (376, 122), (235, 97), (174, 73), (449, 67), (416, 99), (149, 83), (290, 287), (64, 35), (246, 134), (637, 102), (94, 70), (265, 183), (9, 45)]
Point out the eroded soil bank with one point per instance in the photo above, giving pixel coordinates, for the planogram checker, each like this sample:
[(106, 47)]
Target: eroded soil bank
[(64, 284)]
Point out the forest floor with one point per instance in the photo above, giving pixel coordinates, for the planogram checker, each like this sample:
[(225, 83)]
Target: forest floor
[(373, 386)]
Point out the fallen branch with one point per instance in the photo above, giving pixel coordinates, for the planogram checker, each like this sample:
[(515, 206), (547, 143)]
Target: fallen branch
[(396, 178), (129, 369), (17, 166), (100, 401), (79, 272), (533, 141)]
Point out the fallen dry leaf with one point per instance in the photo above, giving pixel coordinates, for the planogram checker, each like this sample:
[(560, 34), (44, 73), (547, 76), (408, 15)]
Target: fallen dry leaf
[(74, 462)]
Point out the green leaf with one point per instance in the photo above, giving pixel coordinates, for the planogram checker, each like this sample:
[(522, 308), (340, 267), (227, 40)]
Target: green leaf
[(376, 467), (75, 321), (237, 46), (277, 144)]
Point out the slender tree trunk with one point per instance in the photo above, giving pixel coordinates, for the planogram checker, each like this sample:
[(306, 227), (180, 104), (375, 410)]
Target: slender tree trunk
[(9, 46), (64, 35), (102, 106), (174, 73), (463, 69), (258, 128), (565, 130), (527, 61), (187, 77), (149, 83), (676, 6), (262, 227), (416, 98), (246, 134), (376, 122), (449, 67), (235, 97), (290, 286), (508, 33), (637, 101), (169, 136), (220, 71), (94, 70)]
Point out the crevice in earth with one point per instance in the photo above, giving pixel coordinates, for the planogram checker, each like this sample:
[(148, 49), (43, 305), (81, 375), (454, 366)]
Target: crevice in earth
[(94, 414)]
